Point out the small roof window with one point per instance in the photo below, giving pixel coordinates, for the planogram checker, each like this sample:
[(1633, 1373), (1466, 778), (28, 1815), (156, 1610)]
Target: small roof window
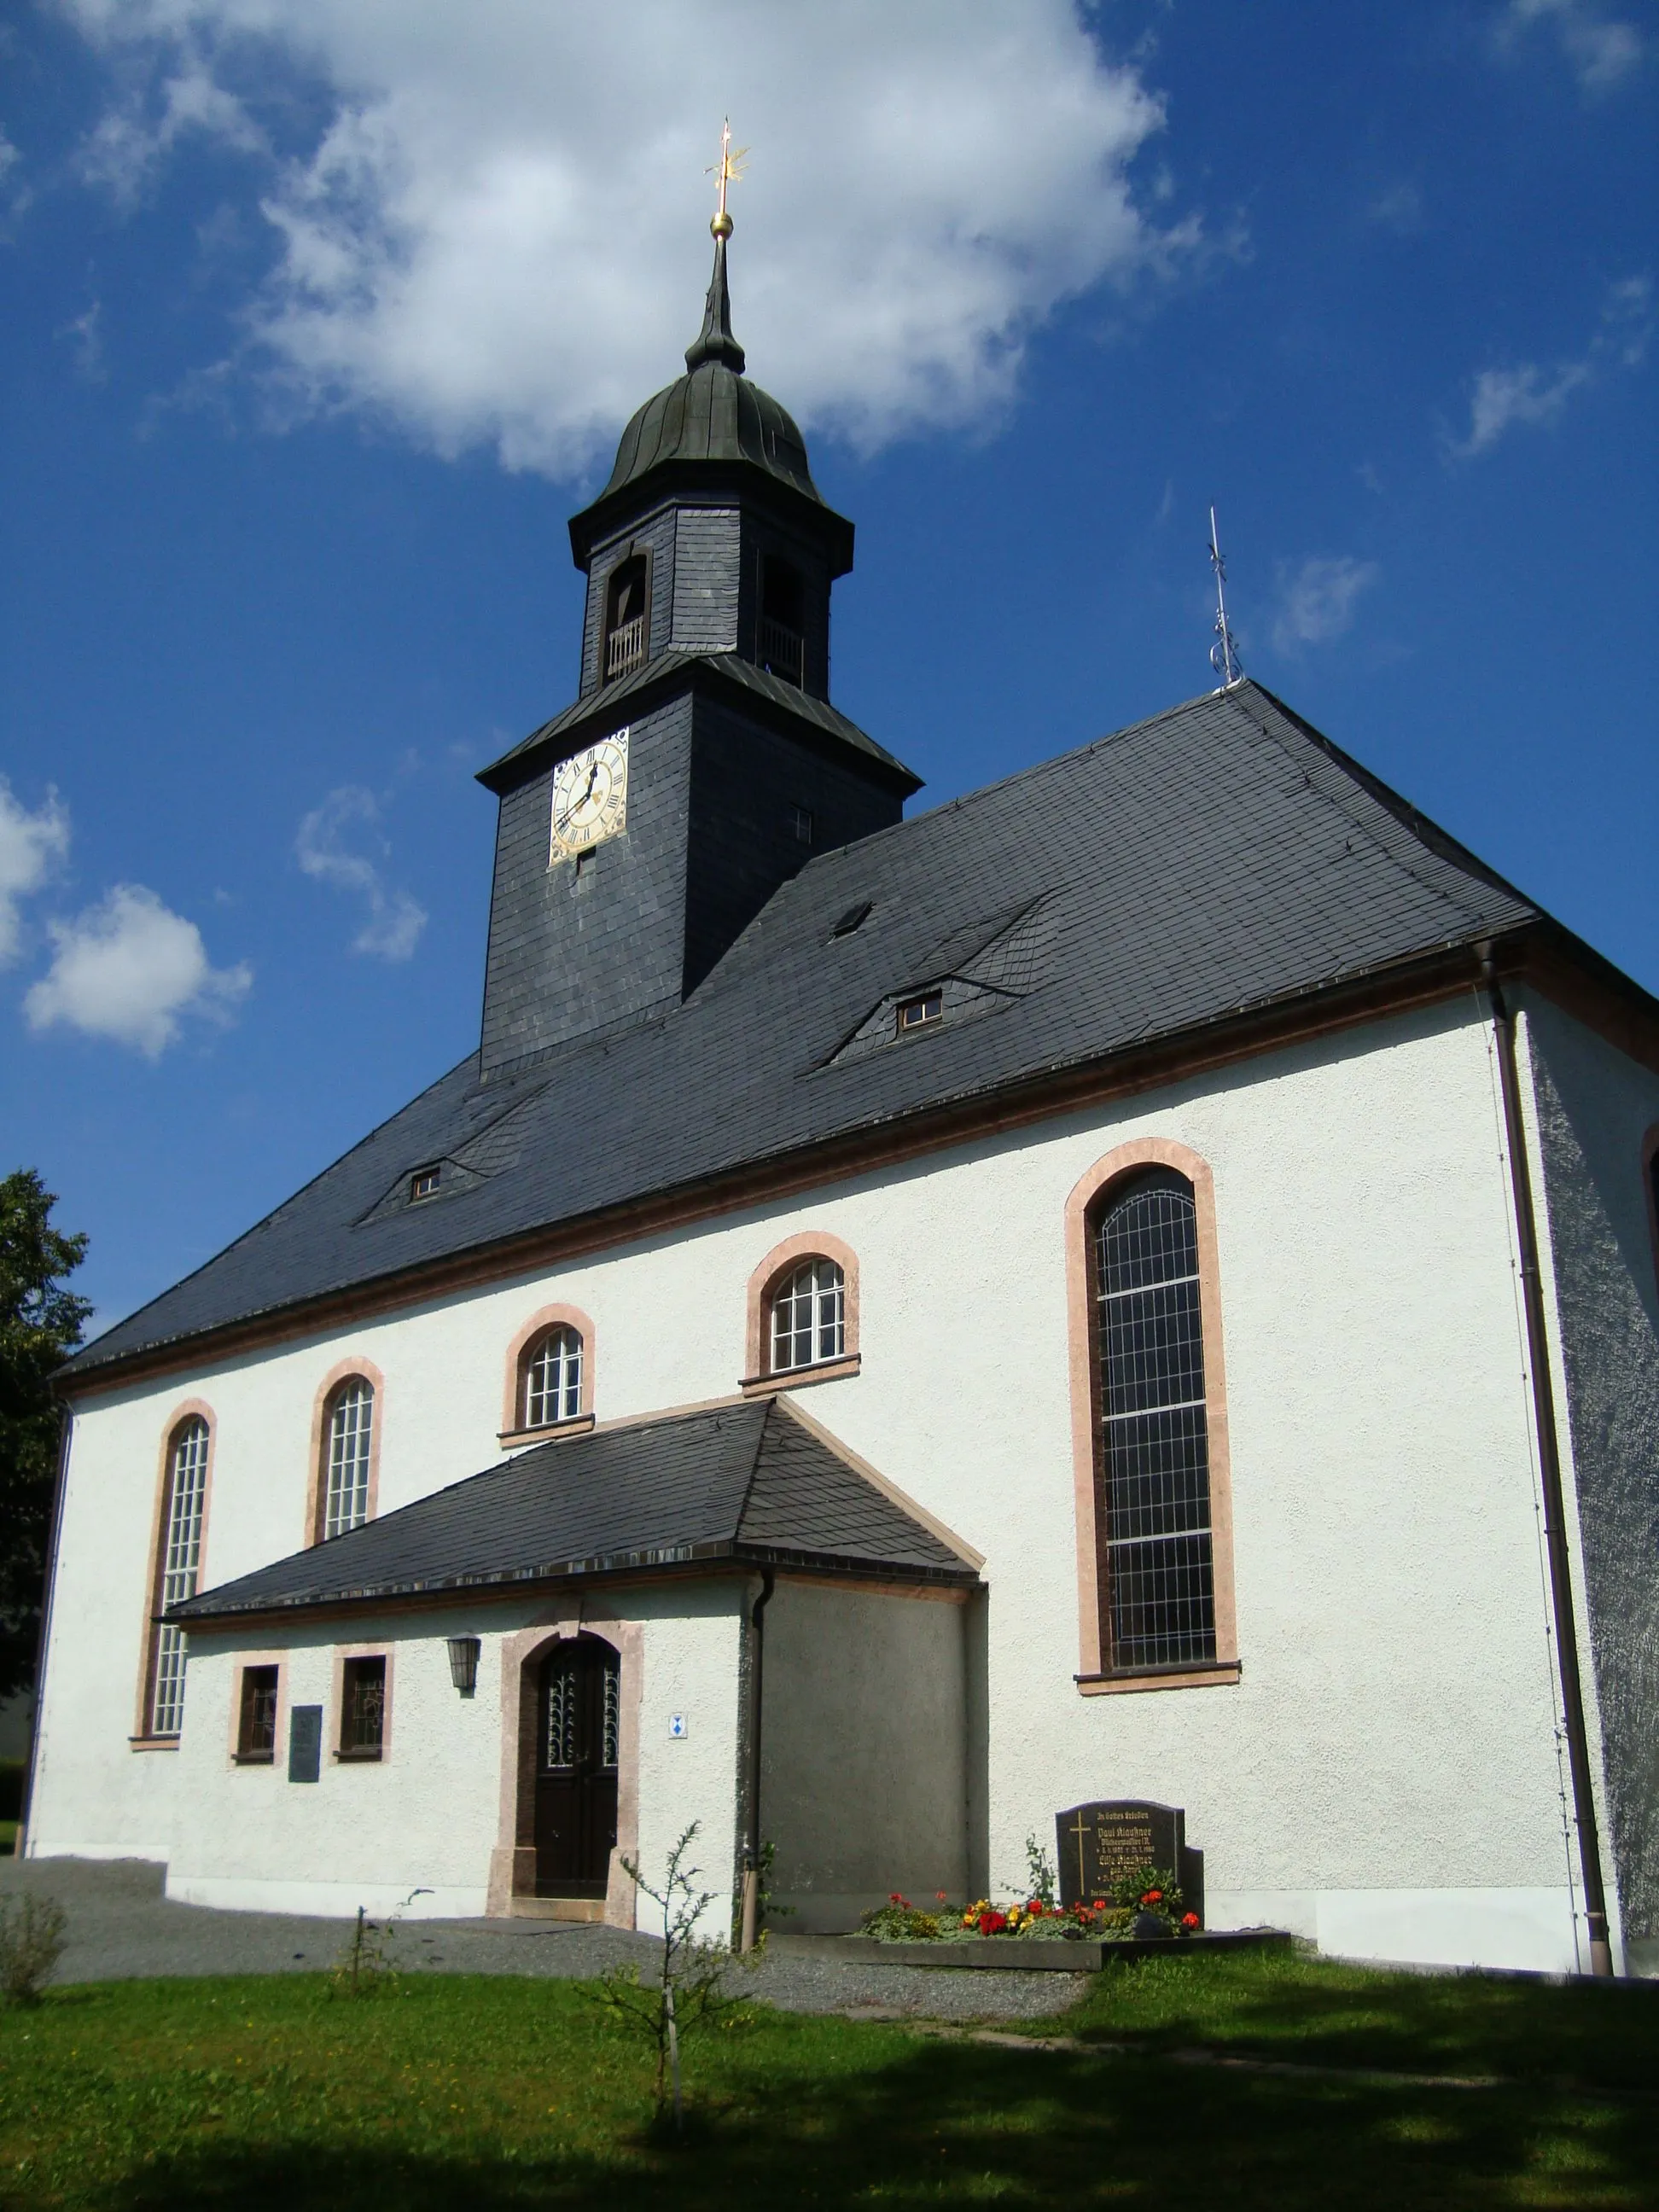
[(914, 1014), (423, 1183), (854, 918)]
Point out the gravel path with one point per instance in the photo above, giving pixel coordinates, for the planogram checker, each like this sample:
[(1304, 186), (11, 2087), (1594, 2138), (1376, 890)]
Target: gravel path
[(121, 1927)]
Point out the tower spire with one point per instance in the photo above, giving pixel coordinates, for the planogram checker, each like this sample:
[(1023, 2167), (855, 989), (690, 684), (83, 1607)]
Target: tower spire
[(715, 342)]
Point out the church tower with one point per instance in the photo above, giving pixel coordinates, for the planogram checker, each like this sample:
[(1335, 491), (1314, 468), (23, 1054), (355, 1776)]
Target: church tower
[(702, 763)]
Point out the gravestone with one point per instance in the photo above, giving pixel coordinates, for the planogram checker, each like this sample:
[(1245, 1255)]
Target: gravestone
[(1099, 1844), (305, 1743)]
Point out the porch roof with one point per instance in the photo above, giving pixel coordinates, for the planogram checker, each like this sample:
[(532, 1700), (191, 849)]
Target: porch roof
[(753, 1484)]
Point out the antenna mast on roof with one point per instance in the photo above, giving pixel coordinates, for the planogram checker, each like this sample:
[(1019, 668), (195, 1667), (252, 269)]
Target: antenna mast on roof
[(1224, 653)]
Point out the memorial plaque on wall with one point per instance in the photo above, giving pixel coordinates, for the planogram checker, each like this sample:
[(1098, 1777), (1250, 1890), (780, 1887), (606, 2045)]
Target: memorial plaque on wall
[(1100, 1843), (305, 1743)]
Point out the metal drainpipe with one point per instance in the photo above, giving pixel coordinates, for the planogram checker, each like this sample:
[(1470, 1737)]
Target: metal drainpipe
[(65, 1429), (1549, 1462), (751, 1853)]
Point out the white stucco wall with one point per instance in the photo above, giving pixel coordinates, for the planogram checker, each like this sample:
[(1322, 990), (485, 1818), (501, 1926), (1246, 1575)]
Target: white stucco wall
[(1391, 1741), (863, 1750)]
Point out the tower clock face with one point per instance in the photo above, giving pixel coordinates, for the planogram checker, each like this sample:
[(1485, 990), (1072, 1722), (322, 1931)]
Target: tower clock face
[(590, 797)]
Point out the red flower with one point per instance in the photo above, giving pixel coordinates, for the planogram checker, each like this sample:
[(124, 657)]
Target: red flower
[(939, 1895), (1152, 1897), (992, 1924), (1099, 1904), (1189, 1920), (1035, 1908), (893, 1898)]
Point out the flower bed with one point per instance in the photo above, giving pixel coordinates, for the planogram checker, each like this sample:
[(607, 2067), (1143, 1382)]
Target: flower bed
[(1145, 1902)]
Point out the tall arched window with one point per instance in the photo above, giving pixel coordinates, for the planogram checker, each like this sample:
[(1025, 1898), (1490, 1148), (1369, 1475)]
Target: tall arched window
[(177, 1569), (1152, 1505), (551, 1387), (347, 1443), (809, 1316)]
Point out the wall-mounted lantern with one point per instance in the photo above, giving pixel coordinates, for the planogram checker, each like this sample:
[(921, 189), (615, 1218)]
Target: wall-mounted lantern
[(463, 1663)]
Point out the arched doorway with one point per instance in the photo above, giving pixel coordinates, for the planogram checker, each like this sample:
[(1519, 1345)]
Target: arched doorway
[(577, 1726)]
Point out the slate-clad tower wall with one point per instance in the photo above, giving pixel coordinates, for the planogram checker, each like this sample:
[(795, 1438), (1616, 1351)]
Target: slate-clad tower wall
[(732, 785)]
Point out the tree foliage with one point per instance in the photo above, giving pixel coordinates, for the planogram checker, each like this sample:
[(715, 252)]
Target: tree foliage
[(40, 1324)]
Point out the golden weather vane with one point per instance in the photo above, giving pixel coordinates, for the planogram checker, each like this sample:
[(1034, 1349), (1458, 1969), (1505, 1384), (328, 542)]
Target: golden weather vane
[(728, 170)]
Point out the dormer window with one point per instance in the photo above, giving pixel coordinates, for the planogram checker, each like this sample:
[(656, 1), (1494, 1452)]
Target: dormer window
[(915, 1013), (782, 621), (627, 613), (423, 1183)]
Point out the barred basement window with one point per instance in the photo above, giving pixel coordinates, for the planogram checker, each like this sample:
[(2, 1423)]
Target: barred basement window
[(346, 1448), (552, 1383), (1153, 1471), (808, 1316), (256, 1732), (362, 1708), (180, 1561)]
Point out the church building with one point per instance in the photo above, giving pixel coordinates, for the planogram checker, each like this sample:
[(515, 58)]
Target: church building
[(1136, 1285)]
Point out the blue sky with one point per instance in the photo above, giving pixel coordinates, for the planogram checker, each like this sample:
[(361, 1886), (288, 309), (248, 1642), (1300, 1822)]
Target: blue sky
[(319, 324)]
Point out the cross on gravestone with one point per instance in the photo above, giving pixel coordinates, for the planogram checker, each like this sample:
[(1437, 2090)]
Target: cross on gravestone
[(1101, 1843)]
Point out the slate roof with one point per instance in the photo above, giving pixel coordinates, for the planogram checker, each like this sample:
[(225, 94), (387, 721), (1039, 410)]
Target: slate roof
[(744, 1484), (1221, 857), (665, 668)]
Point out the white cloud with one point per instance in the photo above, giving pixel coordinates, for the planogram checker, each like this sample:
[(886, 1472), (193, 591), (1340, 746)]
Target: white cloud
[(87, 333), (394, 922), (1527, 393), (1316, 598), (499, 235), (1599, 52), (129, 968), (29, 844), (134, 137)]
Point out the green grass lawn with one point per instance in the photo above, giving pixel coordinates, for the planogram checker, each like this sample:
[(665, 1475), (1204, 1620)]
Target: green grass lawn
[(477, 2095)]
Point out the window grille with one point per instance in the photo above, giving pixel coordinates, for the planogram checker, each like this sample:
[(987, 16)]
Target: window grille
[(362, 1708), (808, 1316), (350, 1433), (181, 1555), (1154, 1481), (256, 1736), (563, 1745), (553, 1380), (612, 1730)]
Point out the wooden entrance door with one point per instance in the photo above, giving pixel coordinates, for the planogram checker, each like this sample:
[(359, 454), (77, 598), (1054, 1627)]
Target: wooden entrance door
[(576, 1769)]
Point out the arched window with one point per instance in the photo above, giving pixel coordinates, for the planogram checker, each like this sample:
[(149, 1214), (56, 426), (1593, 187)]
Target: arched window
[(347, 1445), (183, 1508), (1153, 1469), (809, 1316), (627, 617), (550, 1388), (782, 619)]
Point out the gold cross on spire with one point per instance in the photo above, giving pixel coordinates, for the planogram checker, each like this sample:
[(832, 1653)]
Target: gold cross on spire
[(728, 170)]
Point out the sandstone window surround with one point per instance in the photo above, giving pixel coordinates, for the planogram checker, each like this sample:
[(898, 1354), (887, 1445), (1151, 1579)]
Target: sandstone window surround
[(1151, 1633), (548, 1389), (180, 1525), (348, 1421), (803, 1314)]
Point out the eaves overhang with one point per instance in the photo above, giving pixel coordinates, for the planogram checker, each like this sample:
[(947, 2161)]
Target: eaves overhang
[(1540, 952), (653, 1564), (611, 511), (765, 699)]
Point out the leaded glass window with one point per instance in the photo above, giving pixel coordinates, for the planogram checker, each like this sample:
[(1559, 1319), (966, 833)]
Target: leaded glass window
[(181, 1557), (553, 1380), (808, 1316), (1154, 1473), (351, 1434)]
